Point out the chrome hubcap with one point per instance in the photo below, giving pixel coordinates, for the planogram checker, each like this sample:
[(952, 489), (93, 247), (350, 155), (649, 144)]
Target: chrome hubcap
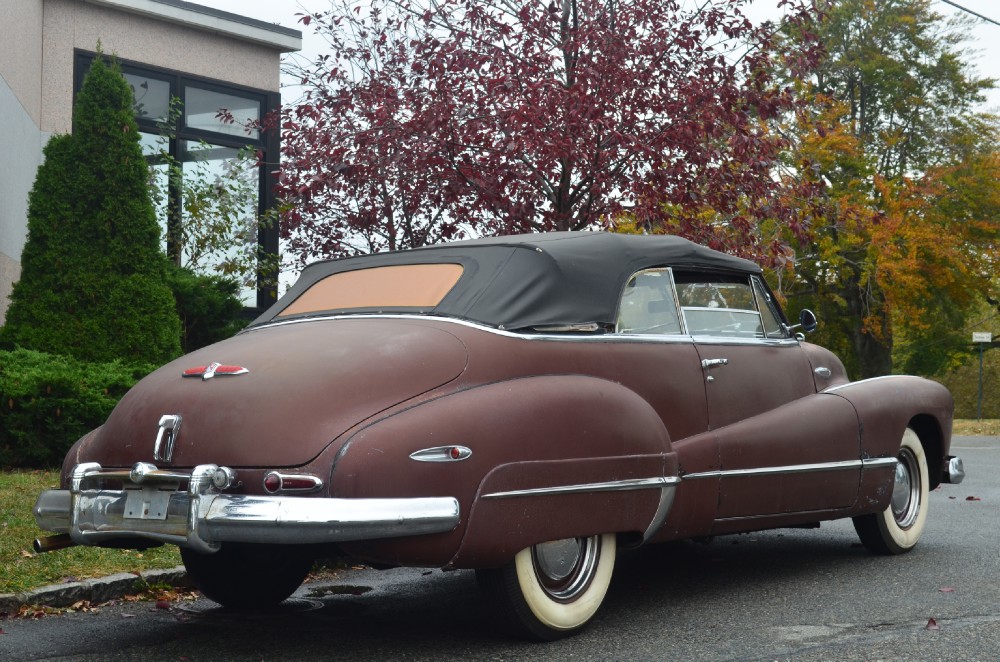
[(906, 491), (565, 567)]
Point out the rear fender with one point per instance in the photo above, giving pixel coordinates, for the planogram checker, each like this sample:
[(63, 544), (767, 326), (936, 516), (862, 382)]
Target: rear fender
[(529, 434)]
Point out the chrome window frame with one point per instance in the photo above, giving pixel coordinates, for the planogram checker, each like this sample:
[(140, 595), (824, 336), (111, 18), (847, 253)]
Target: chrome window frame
[(760, 288)]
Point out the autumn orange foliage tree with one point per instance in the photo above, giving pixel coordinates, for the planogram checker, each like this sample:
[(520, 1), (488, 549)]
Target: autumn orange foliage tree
[(902, 242)]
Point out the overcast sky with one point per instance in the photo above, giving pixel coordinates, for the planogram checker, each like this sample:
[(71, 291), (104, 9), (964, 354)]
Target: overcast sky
[(985, 37)]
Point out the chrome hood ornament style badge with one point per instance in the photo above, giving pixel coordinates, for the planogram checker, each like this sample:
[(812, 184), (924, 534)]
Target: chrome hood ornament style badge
[(216, 369), (163, 447)]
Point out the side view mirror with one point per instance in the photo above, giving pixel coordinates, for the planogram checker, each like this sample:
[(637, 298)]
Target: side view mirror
[(807, 321)]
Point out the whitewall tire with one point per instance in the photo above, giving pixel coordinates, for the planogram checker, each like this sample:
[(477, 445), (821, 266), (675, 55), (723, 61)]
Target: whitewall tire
[(553, 589), (897, 529)]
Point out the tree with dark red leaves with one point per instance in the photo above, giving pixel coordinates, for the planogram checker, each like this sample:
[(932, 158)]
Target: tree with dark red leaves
[(429, 120)]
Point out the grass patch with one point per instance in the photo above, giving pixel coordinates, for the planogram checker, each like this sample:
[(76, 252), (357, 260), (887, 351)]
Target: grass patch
[(988, 427), (24, 570)]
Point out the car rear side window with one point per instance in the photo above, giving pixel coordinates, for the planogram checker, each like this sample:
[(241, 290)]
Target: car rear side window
[(648, 304), (408, 286)]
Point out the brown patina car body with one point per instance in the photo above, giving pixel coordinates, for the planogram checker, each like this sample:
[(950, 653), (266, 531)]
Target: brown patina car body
[(519, 405)]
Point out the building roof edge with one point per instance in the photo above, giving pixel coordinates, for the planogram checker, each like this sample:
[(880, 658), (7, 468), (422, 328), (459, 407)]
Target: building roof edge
[(199, 17)]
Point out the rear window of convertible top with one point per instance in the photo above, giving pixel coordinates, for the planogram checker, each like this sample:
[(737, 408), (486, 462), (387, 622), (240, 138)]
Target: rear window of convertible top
[(401, 286)]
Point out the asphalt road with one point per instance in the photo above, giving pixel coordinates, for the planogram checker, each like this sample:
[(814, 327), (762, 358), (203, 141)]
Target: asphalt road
[(778, 595)]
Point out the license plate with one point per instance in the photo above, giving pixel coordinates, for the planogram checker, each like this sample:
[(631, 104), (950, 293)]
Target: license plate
[(146, 503)]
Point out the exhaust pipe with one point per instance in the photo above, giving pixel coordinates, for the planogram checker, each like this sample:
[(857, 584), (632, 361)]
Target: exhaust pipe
[(52, 543)]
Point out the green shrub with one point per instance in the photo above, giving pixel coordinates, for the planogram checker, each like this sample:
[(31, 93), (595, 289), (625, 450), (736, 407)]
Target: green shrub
[(209, 307), (92, 274), (47, 402)]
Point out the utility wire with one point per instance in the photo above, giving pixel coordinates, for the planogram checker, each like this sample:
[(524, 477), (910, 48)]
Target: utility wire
[(969, 11)]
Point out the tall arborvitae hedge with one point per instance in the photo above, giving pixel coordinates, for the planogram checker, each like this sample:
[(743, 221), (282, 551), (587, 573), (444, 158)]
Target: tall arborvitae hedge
[(92, 274)]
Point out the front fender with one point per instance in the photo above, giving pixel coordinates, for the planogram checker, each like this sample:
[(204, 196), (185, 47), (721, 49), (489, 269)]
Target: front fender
[(531, 433), (886, 406)]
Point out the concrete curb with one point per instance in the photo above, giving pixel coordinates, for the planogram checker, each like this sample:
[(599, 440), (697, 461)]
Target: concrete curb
[(97, 590)]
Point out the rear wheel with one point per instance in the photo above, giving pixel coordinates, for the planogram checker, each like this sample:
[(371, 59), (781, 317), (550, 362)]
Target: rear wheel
[(551, 590), (248, 576), (897, 529)]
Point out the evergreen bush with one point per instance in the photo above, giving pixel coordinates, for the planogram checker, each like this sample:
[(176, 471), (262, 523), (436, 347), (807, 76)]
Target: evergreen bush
[(93, 278), (209, 307)]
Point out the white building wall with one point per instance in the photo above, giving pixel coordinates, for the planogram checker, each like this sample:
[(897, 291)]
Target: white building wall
[(21, 139)]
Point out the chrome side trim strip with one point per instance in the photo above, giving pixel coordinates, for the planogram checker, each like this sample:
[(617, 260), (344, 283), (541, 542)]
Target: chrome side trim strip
[(879, 463), (660, 482), (666, 502), (870, 463), (834, 389), (602, 338)]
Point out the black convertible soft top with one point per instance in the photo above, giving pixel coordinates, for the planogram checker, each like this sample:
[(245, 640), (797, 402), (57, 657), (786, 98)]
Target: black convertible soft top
[(533, 280)]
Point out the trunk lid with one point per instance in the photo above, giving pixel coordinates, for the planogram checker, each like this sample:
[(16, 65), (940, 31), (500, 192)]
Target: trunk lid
[(305, 385)]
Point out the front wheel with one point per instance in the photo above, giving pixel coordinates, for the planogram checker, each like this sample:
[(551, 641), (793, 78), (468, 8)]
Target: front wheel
[(248, 576), (897, 529), (551, 590)]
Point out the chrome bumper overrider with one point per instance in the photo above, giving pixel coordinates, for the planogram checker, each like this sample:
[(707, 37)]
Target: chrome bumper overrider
[(153, 507), (954, 473)]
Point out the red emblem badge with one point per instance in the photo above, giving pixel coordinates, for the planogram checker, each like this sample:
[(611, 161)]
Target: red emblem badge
[(209, 371)]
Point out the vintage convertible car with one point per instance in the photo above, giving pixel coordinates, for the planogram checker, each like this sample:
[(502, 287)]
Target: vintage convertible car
[(520, 405)]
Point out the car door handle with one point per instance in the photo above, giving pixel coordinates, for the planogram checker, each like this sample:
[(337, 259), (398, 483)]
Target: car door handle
[(711, 363)]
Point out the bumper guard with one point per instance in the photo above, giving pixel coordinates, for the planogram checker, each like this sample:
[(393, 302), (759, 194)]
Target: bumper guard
[(954, 472)]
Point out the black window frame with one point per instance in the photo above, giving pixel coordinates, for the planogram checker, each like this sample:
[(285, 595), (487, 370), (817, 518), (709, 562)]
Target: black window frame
[(267, 142)]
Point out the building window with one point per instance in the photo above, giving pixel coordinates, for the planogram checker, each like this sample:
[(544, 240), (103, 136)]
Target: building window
[(179, 124)]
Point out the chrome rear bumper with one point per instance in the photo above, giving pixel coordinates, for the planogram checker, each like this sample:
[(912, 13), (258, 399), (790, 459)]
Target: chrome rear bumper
[(201, 518)]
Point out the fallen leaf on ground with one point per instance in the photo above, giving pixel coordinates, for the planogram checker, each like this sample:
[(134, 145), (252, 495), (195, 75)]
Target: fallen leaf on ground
[(946, 589), (932, 624), (972, 498)]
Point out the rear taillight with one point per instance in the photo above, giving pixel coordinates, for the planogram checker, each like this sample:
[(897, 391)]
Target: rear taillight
[(276, 482)]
